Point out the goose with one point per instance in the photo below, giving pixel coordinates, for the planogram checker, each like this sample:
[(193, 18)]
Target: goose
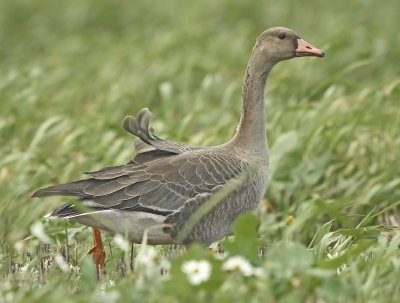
[(176, 193)]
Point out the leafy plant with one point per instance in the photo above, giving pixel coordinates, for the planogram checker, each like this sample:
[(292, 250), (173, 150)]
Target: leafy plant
[(327, 230)]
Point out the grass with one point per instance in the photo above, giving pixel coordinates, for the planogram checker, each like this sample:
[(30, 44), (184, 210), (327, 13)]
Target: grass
[(71, 70)]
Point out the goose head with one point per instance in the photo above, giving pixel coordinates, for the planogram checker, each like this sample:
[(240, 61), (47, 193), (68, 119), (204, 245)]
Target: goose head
[(280, 43)]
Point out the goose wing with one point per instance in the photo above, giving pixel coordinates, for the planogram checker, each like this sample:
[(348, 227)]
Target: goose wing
[(159, 186)]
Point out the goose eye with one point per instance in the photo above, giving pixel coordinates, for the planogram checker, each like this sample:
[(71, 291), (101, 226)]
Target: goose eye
[(282, 36)]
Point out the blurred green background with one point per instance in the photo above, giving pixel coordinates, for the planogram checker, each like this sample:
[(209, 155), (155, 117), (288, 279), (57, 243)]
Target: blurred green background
[(71, 70)]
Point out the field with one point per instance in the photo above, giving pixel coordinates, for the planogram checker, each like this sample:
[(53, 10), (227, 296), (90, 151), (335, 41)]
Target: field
[(327, 231)]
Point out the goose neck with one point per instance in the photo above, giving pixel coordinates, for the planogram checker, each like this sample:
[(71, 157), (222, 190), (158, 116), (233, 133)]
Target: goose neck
[(251, 131)]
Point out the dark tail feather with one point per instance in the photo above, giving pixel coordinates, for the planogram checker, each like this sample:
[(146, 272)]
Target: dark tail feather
[(65, 210), (74, 189)]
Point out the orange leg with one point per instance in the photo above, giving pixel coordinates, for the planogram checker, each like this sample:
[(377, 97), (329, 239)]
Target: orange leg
[(97, 251)]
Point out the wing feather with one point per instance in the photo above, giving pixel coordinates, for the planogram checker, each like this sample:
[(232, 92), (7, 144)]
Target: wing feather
[(161, 178)]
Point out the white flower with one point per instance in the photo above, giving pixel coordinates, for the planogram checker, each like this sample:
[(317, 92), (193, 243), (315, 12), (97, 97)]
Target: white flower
[(149, 261), (220, 255), (239, 263), (19, 246), (215, 250), (61, 263), (24, 268), (197, 271), (37, 230), (147, 256), (121, 242)]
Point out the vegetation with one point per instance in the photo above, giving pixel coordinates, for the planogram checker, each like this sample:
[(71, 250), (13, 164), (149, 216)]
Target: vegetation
[(327, 229)]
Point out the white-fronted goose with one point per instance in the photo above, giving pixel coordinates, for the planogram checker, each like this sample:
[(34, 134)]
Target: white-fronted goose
[(167, 182)]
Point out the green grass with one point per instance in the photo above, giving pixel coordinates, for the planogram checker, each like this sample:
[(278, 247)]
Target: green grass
[(71, 70)]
